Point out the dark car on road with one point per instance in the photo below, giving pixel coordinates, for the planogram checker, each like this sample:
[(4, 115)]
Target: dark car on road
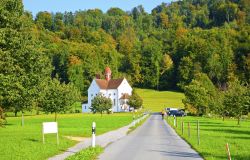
[(177, 113)]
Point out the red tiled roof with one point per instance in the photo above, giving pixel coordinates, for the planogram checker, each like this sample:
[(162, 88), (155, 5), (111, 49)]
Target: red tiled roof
[(111, 84)]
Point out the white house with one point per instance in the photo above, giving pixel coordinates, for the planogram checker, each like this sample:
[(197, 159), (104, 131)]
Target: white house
[(118, 90)]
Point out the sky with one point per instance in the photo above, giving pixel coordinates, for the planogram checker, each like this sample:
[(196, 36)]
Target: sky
[(35, 6)]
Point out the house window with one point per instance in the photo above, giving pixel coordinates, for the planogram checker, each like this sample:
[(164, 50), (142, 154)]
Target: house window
[(114, 102), (91, 95), (85, 107), (114, 94)]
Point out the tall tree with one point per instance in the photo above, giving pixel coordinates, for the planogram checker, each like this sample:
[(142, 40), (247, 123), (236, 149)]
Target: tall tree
[(22, 64), (151, 59), (44, 20)]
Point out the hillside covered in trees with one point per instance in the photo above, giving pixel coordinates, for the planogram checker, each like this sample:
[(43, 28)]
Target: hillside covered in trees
[(161, 50), (203, 40)]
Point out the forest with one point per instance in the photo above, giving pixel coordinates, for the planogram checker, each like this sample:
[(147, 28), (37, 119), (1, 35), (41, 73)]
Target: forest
[(161, 50), (178, 46)]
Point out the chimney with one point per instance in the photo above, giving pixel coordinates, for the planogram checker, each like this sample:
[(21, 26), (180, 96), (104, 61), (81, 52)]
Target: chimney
[(107, 73)]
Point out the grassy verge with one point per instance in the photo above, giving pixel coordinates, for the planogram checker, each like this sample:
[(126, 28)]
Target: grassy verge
[(18, 142), (214, 134), (87, 154), (157, 100), (131, 129)]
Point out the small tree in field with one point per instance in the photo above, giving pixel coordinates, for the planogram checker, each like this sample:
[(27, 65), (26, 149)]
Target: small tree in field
[(135, 100), (237, 100), (58, 97), (101, 104)]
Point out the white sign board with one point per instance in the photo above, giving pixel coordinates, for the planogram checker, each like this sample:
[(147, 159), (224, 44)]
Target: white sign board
[(50, 127)]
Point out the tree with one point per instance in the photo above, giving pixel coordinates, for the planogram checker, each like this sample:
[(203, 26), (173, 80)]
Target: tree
[(22, 64), (135, 100), (150, 62), (58, 24), (199, 93), (101, 104), (44, 20), (116, 12), (58, 97), (167, 63), (217, 104), (237, 99)]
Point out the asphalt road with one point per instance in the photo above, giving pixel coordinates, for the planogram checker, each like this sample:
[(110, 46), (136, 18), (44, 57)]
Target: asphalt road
[(154, 140)]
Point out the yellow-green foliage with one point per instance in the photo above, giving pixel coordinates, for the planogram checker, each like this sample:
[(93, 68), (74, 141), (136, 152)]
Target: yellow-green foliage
[(157, 100)]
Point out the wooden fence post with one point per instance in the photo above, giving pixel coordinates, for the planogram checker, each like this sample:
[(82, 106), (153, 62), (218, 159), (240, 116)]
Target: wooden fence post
[(188, 130), (176, 123), (198, 132), (228, 152), (182, 127)]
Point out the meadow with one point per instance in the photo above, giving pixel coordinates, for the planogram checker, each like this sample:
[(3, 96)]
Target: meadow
[(214, 134), (157, 100), (17, 142)]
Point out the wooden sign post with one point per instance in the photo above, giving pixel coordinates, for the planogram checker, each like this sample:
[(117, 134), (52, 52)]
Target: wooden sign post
[(50, 127)]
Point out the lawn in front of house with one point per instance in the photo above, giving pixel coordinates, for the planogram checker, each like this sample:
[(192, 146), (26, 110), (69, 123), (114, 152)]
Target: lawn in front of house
[(157, 100), (214, 134), (17, 142)]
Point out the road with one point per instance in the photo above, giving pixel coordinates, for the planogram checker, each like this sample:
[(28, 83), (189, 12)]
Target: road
[(154, 140)]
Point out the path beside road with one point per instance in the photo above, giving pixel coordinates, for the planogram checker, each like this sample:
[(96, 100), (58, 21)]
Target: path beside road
[(101, 140)]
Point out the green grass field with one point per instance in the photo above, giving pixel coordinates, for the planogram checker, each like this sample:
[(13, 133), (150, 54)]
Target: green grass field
[(18, 142), (214, 134), (87, 154), (157, 100)]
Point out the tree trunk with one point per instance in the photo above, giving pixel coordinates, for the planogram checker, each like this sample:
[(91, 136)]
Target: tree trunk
[(227, 17), (22, 119), (55, 116), (15, 113), (239, 120), (223, 117)]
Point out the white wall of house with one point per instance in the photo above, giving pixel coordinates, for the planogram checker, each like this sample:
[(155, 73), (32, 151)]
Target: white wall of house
[(123, 88), (92, 92), (113, 94)]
